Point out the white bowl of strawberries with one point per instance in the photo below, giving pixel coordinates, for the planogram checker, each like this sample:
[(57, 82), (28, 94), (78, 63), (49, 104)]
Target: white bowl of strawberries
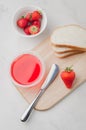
[(30, 21)]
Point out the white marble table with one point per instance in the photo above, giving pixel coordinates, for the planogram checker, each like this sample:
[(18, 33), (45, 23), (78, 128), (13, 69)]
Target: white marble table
[(70, 114)]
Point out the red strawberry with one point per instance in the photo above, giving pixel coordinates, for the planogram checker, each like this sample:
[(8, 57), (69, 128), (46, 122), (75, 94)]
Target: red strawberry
[(33, 29), (37, 23), (36, 15), (68, 76), (26, 30), (29, 16), (22, 22)]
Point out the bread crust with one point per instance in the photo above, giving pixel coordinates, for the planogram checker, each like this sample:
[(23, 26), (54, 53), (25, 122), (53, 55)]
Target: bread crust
[(68, 54), (69, 49), (56, 49), (70, 46)]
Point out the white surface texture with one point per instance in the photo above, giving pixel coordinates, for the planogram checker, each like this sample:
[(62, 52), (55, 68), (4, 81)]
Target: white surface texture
[(70, 114)]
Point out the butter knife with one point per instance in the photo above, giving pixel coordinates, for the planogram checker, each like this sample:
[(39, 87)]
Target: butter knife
[(50, 78)]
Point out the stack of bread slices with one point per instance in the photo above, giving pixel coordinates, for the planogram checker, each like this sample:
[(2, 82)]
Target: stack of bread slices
[(68, 40)]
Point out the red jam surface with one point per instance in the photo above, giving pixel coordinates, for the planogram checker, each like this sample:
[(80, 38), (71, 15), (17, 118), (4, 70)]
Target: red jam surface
[(26, 69)]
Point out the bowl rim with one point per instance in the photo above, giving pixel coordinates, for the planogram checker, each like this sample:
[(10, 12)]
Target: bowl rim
[(35, 82), (30, 6)]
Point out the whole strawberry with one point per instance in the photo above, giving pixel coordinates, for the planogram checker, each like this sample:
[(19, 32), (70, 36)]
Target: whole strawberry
[(22, 22), (37, 23), (68, 76), (29, 16), (36, 15), (33, 29), (26, 30)]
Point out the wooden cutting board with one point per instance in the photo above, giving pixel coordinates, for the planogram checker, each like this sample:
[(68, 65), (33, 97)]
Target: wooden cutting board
[(57, 90)]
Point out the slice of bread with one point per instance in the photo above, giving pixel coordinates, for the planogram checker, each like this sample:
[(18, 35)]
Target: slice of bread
[(61, 50), (70, 36), (67, 54), (70, 47)]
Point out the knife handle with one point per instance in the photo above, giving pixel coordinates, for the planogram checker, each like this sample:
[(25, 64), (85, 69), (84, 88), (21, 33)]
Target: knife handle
[(27, 112), (51, 76)]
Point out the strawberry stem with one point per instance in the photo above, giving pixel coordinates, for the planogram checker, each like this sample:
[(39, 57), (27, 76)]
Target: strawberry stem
[(69, 69), (31, 16), (40, 12), (22, 16)]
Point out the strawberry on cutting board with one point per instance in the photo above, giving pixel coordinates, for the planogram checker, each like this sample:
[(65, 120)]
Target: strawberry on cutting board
[(68, 76)]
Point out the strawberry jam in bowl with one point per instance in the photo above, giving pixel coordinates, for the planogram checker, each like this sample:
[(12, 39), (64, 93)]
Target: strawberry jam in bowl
[(27, 70), (30, 21)]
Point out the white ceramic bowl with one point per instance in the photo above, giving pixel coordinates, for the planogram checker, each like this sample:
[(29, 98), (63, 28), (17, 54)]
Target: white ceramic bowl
[(37, 81), (23, 11)]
